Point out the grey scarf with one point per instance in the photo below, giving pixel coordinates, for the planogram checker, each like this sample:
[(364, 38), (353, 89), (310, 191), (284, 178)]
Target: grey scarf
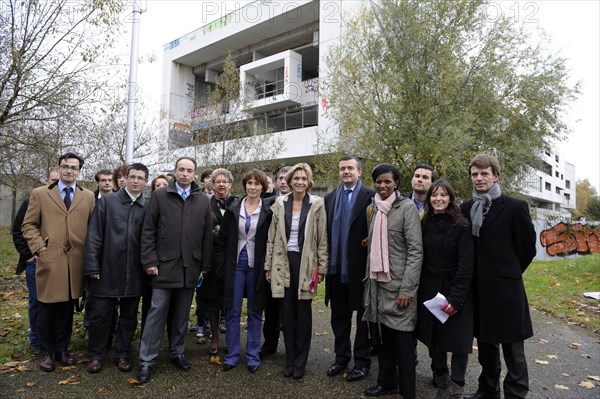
[(481, 206)]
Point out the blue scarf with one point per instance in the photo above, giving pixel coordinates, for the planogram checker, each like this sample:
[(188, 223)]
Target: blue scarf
[(339, 232)]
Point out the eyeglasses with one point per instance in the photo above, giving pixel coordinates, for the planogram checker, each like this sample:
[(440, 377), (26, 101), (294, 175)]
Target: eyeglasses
[(222, 182), (136, 178), (66, 168)]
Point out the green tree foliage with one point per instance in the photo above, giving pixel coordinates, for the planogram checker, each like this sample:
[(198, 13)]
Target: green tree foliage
[(587, 200), (437, 81)]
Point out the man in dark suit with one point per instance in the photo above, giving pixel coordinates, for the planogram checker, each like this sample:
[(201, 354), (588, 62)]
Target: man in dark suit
[(347, 232), (27, 263), (504, 246), (176, 246), (104, 181), (55, 226)]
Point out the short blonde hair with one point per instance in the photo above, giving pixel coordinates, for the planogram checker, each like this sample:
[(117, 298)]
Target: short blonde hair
[(300, 166)]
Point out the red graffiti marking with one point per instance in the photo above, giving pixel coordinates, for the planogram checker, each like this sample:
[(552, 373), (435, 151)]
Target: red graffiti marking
[(567, 239)]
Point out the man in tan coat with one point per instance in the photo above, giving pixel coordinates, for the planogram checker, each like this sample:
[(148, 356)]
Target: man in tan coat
[(55, 227)]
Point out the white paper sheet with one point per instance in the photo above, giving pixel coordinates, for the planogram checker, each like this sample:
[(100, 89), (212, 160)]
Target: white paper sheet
[(434, 305)]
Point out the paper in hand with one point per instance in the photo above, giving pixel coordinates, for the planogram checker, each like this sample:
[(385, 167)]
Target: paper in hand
[(434, 305)]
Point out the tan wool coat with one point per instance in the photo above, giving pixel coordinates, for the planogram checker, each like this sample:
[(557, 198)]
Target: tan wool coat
[(48, 224), (314, 251)]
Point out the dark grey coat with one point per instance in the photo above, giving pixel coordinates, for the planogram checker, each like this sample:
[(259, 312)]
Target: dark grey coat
[(504, 249), (112, 246), (447, 269), (177, 237)]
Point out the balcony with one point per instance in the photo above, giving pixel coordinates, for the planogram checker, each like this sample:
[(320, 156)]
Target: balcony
[(272, 82)]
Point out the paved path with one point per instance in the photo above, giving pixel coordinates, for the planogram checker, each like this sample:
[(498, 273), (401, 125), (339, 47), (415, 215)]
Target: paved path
[(566, 367)]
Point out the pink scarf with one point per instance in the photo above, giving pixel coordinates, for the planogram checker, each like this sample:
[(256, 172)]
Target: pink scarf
[(379, 256)]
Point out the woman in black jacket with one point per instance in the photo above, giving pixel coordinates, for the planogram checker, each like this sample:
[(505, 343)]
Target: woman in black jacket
[(241, 247), (447, 269)]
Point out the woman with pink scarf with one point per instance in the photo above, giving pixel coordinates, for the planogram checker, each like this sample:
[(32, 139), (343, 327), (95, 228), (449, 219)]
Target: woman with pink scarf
[(393, 271)]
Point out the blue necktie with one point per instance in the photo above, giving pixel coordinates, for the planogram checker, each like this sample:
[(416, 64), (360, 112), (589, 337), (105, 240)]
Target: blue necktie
[(68, 191), (346, 200), (184, 195)]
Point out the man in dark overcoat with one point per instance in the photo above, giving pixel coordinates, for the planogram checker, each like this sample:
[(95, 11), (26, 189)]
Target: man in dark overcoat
[(113, 265), (347, 229), (504, 247), (176, 247)]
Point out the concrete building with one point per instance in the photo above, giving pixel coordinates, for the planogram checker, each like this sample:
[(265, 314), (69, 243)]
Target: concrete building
[(551, 189), (280, 48)]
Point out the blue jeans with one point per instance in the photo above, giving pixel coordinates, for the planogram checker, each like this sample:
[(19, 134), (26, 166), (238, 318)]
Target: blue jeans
[(33, 303), (244, 277)]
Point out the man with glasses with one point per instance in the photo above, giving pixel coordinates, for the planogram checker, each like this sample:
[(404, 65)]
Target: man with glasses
[(176, 247), (112, 263), (55, 226)]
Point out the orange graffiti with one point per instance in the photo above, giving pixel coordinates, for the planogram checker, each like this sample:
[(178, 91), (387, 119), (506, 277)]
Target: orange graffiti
[(567, 239)]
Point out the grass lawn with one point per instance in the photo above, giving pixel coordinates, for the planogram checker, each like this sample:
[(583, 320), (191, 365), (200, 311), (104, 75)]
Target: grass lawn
[(554, 287), (557, 287)]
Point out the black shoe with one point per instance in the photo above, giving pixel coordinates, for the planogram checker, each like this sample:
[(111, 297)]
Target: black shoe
[(380, 391), (143, 374), (222, 327), (94, 366), (252, 369), (335, 369), (358, 373), (482, 395), (227, 367), (264, 352), (298, 373), (288, 371), (181, 362)]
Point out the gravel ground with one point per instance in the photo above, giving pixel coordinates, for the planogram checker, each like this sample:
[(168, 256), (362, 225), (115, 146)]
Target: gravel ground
[(567, 366)]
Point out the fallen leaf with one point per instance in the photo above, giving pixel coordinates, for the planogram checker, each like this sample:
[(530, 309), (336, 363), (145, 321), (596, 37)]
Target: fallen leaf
[(133, 381), (22, 367), (586, 384), (74, 379), (561, 387), (321, 334), (594, 377), (68, 368), (541, 361), (542, 341), (566, 374), (21, 390), (552, 356), (321, 311), (555, 284), (31, 383), (585, 356), (216, 360), (574, 345), (326, 350), (102, 390)]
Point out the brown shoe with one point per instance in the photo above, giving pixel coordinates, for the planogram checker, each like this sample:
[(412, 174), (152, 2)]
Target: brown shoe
[(94, 366), (47, 363), (123, 364), (65, 358)]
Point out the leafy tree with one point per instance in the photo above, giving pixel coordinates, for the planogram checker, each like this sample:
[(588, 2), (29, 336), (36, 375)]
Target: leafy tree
[(593, 209), (584, 192), (435, 81), (51, 52), (227, 134)]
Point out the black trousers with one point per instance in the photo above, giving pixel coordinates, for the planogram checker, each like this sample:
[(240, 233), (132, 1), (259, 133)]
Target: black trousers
[(55, 326), (100, 328), (297, 319), (396, 356), (341, 324), (271, 326), (516, 382)]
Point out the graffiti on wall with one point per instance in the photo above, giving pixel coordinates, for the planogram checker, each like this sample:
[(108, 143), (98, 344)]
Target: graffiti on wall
[(568, 239)]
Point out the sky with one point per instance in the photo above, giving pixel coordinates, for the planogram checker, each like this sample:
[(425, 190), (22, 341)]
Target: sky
[(573, 26)]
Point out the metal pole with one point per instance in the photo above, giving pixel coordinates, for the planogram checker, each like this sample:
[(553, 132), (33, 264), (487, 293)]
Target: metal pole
[(132, 91)]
